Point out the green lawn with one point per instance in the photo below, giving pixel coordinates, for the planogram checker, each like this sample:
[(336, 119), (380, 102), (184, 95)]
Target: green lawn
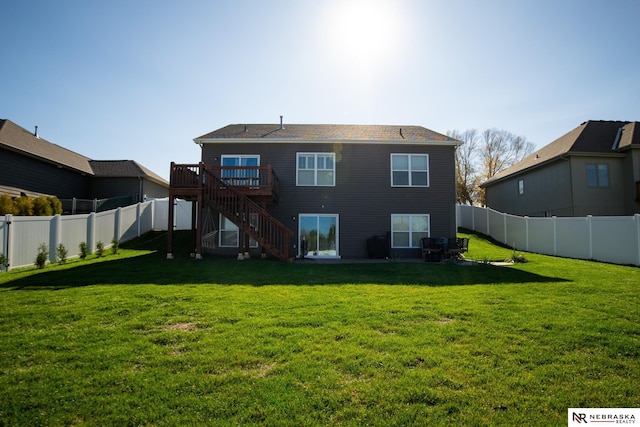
[(134, 339)]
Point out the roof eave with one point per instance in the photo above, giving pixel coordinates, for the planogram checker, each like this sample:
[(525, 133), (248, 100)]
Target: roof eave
[(45, 160), (201, 141)]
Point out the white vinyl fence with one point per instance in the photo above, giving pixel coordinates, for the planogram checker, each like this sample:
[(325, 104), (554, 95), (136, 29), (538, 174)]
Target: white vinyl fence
[(614, 239), (21, 236)]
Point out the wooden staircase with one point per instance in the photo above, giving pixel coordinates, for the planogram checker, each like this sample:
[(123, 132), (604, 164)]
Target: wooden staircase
[(206, 185), (251, 218)]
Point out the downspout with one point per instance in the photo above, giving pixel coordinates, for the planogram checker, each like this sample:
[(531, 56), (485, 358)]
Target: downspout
[(140, 189)]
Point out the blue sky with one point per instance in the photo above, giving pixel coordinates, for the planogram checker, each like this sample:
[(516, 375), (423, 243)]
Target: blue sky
[(139, 79)]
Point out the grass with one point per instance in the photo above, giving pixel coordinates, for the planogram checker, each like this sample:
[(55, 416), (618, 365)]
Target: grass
[(133, 339)]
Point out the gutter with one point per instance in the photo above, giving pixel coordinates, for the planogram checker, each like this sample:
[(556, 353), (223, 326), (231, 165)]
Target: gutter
[(202, 141)]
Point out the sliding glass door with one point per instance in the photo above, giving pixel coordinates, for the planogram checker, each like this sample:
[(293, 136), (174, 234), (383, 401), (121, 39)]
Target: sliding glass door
[(318, 234)]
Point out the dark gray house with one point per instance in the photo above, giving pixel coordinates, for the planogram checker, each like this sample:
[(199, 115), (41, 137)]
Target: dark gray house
[(331, 191), (592, 170), (31, 165)]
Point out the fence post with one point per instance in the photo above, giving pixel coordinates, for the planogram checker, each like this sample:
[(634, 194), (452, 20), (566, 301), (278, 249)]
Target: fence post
[(486, 209), (91, 232), (153, 214), (590, 235), (473, 218), (636, 217), (504, 224), (56, 234), (555, 235), (6, 247), (526, 233), (117, 225)]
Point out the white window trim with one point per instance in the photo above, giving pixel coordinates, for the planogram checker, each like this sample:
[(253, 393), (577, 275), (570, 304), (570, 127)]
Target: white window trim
[(409, 170), (337, 217), (410, 231), (315, 168)]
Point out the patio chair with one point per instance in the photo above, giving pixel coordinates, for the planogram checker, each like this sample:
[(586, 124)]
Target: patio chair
[(454, 247), (431, 251), (463, 244)]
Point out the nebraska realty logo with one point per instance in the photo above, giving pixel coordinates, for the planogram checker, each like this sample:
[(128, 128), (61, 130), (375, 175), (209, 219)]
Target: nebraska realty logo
[(598, 416)]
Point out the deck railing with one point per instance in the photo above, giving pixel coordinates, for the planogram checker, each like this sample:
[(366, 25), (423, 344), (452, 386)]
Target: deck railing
[(250, 180)]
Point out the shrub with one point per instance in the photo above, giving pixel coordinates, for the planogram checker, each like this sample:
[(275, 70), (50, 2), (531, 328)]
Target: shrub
[(114, 246), (7, 205), (42, 206), (24, 206), (43, 254), (62, 254), (3, 262), (56, 205), (99, 249), (517, 258), (84, 250)]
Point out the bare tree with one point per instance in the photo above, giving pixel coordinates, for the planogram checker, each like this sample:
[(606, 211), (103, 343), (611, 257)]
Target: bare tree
[(501, 149), (467, 176), (482, 156)]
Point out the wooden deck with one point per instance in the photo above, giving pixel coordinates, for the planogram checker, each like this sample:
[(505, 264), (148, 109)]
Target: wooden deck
[(260, 183)]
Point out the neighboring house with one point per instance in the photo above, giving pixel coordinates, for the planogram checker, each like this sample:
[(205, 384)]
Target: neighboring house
[(592, 170), (321, 191), (34, 166)]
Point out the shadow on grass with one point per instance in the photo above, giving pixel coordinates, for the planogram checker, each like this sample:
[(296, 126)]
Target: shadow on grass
[(153, 268)]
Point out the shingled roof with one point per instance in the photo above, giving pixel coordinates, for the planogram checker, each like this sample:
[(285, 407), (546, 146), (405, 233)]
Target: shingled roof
[(24, 142), (20, 140), (324, 132), (123, 169), (591, 137)]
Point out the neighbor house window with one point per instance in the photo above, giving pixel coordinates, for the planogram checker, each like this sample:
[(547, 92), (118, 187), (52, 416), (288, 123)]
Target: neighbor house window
[(316, 169), (597, 175), (407, 230), (230, 234), (409, 170), (521, 187)]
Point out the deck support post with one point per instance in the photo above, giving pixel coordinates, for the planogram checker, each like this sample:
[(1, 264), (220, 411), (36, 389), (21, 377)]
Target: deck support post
[(199, 223)]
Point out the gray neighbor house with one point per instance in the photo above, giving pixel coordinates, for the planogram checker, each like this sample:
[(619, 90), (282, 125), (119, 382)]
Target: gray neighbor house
[(592, 170), (33, 166), (320, 191)]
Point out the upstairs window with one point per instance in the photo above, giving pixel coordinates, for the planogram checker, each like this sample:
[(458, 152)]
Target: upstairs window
[(233, 172), (521, 187), (409, 170), (597, 175), (316, 169)]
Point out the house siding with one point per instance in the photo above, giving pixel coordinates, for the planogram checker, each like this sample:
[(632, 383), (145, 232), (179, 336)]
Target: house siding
[(537, 200), (598, 201), (362, 196), (103, 188), (41, 177)]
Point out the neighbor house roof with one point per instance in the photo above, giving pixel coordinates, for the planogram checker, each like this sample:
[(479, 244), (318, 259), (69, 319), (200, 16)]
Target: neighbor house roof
[(123, 169), (324, 132), (18, 139), (591, 137)]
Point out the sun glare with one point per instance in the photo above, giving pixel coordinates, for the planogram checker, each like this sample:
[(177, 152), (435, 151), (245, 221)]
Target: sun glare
[(362, 34)]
